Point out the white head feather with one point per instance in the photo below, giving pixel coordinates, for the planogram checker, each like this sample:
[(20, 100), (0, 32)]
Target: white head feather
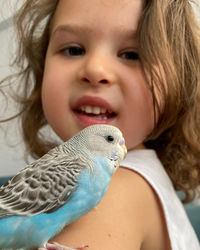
[(100, 140)]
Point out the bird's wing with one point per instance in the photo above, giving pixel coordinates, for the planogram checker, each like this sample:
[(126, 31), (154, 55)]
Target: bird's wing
[(41, 189)]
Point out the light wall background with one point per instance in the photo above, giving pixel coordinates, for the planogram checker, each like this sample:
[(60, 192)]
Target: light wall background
[(12, 149), (11, 145)]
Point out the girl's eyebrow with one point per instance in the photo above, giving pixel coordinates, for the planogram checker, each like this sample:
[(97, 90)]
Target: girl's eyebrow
[(70, 28), (75, 28)]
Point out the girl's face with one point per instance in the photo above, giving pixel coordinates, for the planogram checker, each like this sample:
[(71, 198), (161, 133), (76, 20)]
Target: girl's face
[(92, 70)]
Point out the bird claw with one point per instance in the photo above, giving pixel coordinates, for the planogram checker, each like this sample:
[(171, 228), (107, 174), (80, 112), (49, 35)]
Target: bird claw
[(56, 246)]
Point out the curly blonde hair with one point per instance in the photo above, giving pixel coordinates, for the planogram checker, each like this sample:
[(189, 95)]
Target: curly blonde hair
[(169, 51)]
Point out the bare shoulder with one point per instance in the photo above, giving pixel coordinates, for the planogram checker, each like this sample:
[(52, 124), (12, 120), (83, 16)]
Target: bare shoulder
[(129, 217)]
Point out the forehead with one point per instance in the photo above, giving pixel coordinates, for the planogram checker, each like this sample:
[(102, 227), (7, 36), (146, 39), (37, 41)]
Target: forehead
[(98, 12)]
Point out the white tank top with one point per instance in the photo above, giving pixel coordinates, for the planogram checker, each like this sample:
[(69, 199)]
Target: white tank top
[(180, 230)]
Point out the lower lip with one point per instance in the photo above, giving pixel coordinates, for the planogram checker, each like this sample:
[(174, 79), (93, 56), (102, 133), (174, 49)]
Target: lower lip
[(86, 120)]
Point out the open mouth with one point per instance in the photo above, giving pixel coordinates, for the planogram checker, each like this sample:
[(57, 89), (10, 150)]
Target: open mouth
[(96, 112), (90, 110)]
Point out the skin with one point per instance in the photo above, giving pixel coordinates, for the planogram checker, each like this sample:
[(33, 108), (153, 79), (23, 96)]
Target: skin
[(106, 67), (129, 217), (92, 54)]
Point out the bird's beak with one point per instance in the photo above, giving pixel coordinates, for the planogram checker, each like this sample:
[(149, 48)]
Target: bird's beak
[(122, 143), (125, 150)]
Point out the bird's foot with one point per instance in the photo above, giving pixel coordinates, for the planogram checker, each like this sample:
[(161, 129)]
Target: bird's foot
[(56, 246)]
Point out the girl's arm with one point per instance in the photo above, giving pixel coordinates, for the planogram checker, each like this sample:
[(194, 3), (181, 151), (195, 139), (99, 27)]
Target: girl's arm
[(129, 217)]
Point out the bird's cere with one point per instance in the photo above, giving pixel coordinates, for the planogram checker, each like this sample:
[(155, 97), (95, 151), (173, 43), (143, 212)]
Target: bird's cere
[(122, 141)]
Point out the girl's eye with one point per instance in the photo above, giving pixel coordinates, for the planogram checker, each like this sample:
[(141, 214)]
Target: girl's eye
[(129, 55), (73, 51)]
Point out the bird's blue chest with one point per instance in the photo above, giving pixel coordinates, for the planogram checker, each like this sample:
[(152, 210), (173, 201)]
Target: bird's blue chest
[(34, 231)]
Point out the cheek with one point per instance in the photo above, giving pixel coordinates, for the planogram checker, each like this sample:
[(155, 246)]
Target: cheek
[(138, 118), (50, 98), (53, 98), (139, 124), (53, 87), (140, 96)]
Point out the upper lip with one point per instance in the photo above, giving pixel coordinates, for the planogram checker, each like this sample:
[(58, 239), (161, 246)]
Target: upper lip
[(93, 101)]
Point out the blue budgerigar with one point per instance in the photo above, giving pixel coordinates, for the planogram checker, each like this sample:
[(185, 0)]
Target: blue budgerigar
[(59, 188)]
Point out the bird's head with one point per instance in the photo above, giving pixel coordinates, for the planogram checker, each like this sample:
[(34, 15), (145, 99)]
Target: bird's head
[(103, 141)]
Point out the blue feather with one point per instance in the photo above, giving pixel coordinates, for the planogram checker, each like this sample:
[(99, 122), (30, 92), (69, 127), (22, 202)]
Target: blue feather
[(34, 231), (59, 188)]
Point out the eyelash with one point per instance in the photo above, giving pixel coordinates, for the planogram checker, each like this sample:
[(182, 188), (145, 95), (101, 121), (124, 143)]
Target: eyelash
[(76, 51), (72, 51), (130, 55)]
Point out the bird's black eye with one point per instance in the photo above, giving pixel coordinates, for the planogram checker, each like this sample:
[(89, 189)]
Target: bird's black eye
[(110, 138)]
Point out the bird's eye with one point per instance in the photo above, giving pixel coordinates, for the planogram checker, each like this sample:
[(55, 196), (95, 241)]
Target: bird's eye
[(110, 138)]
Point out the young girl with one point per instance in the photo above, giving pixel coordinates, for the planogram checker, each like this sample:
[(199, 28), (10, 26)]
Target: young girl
[(133, 64)]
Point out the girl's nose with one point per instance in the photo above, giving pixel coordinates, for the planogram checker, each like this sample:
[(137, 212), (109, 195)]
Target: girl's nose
[(97, 70)]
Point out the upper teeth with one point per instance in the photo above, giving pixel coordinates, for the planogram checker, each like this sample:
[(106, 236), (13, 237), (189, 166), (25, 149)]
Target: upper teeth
[(93, 110)]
